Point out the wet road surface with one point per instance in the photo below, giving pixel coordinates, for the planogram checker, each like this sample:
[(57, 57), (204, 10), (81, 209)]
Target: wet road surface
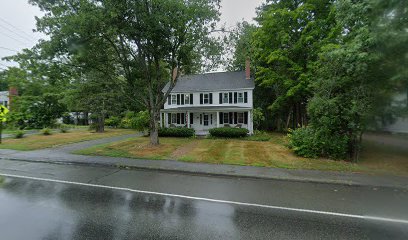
[(49, 209)]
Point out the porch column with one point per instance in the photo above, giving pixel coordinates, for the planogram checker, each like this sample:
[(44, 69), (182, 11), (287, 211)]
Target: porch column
[(218, 119), (188, 119), (161, 120), (250, 123), (166, 120)]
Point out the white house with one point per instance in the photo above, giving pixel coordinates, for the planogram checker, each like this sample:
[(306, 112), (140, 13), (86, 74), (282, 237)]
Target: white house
[(211, 100), (4, 98)]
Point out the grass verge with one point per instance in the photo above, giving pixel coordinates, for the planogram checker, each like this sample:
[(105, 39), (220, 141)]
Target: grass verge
[(33, 142)]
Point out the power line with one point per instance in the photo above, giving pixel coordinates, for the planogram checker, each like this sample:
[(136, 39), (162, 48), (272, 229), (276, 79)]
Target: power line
[(15, 33), (15, 39), (9, 49), (18, 29)]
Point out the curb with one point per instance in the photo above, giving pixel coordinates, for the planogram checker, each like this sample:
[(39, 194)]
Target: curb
[(204, 173)]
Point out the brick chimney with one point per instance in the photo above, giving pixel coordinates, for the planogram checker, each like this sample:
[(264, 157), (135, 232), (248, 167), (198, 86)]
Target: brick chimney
[(248, 69), (12, 93)]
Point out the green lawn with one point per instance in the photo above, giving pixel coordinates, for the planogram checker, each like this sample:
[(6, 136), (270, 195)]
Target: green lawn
[(39, 141), (272, 153)]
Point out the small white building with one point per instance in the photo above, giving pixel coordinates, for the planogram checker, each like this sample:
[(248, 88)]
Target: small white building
[(4, 98), (211, 100)]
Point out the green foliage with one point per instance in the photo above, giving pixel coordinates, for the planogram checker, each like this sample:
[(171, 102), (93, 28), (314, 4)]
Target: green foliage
[(46, 131), (112, 121), (176, 132), (63, 128), (19, 134), (259, 136), (226, 132), (310, 142), (139, 121), (258, 117)]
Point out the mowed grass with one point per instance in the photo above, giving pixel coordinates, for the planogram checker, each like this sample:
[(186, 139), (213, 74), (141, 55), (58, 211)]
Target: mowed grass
[(39, 141), (272, 153)]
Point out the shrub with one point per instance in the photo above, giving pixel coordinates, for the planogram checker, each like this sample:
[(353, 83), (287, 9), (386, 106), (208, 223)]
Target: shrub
[(63, 128), (176, 132), (112, 121), (260, 136), (46, 131), (139, 121), (312, 143), (229, 132), (19, 134)]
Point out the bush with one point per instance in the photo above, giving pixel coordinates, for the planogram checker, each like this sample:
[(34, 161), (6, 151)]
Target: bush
[(63, 128), (259, 136), (229, 132), (312, 143), (176, 132), (19, 134), (139, 121), (112, 121), (46, 131)]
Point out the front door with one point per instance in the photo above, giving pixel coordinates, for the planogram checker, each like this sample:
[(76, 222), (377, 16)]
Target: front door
[(206, 120)]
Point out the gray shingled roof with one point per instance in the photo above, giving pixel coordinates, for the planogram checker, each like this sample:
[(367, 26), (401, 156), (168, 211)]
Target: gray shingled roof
[(212, 82)]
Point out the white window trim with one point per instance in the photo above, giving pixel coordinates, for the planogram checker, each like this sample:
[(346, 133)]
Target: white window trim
[(225, 99), (186, 99), (226, 114), (240, 114), (206, 96), (174, 99), (240, 98)]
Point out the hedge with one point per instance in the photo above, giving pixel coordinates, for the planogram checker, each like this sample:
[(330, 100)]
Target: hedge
[(176, 132), (229, 132)]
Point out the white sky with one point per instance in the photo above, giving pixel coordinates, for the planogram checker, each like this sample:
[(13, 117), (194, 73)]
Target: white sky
[(17, 22)]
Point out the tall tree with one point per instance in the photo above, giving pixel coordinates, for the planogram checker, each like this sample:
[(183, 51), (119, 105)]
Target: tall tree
[(287, 42), (152, 41)]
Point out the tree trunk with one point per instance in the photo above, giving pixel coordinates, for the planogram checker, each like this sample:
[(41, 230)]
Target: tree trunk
[(100, 125), (154, 127)]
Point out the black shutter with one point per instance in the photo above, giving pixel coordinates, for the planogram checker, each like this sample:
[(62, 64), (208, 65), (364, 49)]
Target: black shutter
[(169, 118), (220, 98), (245, 117), (221, 118), (178, 118), (230, 97), (235, 97), (201, 98), (169, 99), (245, 97), (210, 98), (178, 99), (183, 118), (191, 118), (191, 98), (230, 117), (211, 119), (201, 118), (235, 117), (182, 99)]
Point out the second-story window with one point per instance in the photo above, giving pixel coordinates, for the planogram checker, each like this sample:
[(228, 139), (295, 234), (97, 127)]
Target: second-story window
[(187, 99), (174, 99), (225, 98), (206, 98), (240, 97)]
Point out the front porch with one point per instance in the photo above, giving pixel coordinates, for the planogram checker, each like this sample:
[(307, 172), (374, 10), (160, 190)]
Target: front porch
[(204, 119)]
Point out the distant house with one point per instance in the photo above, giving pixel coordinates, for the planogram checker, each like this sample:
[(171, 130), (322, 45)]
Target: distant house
[(211, 100), (4, 98)]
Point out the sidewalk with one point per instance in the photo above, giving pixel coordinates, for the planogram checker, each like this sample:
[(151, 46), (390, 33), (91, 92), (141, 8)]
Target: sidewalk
[(62, 155)]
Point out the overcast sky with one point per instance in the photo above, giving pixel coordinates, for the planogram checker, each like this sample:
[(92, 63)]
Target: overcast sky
[(17, 22)]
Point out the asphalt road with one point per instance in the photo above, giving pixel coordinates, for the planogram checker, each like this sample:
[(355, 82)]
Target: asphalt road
[(49, 201)]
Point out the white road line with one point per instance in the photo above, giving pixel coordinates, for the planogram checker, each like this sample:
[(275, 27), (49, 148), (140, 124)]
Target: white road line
[(382, 219)]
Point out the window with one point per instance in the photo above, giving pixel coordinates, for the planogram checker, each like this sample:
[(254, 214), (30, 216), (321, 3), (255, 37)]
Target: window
[(240, 97), (206, 98), (240, 117), (187, 99), (178, 118), (174, 99), (174, 118), (225, 98), (226, 118), (206, 119)]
